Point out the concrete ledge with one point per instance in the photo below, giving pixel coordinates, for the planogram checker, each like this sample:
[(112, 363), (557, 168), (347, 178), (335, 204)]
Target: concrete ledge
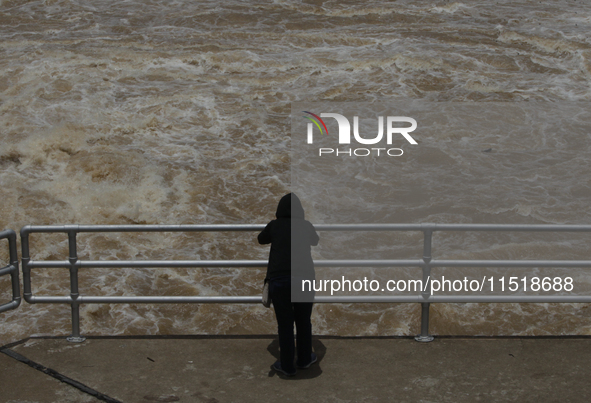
[(237, 369), (19, 383)]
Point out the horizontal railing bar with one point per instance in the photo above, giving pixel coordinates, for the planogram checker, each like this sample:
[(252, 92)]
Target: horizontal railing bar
[(317, 299), (319, 227), (510, 263), (317, 263), (511, 227), (215, 263), (143, 228), (52, 264), (48, 264), (172, 263), (173, 299), (453, 227), (146, 300), (41, 299), (10, 305), (7, 233), (7, 270), (370, 263)]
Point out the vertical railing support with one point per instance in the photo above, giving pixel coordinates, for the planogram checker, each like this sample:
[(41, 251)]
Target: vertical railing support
[(73, 258), (16, 287), (11, 269), (425, 337), (25, 259)]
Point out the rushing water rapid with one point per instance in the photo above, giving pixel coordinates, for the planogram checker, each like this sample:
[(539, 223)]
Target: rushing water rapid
[(178, 112)]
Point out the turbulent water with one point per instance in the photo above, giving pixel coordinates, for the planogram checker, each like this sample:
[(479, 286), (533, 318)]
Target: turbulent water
[(178, 112)]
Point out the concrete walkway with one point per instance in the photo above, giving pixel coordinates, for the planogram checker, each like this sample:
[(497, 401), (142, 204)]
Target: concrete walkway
[(237, 369)]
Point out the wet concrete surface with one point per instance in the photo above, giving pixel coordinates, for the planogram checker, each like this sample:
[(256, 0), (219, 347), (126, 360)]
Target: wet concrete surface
[(216, 369)]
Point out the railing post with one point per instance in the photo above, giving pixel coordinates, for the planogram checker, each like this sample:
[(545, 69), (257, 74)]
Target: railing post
[(25, 259), (73, 258), (11, 269), (425, 337), (16, 287)]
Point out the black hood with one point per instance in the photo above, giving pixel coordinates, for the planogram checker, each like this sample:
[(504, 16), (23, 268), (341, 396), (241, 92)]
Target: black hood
[(290, 206)]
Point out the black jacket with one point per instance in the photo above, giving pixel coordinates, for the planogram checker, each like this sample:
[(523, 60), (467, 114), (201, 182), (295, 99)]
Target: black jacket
[(290, 224)]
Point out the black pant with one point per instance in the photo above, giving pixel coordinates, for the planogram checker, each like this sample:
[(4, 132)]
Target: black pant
[(287, 313)]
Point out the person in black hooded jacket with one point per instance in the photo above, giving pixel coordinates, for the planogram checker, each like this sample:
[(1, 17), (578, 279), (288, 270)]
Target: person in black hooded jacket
[(289, 226)]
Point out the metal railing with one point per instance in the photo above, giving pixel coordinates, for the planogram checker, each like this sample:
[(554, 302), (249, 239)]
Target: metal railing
[(426, 263), (11, 269)]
